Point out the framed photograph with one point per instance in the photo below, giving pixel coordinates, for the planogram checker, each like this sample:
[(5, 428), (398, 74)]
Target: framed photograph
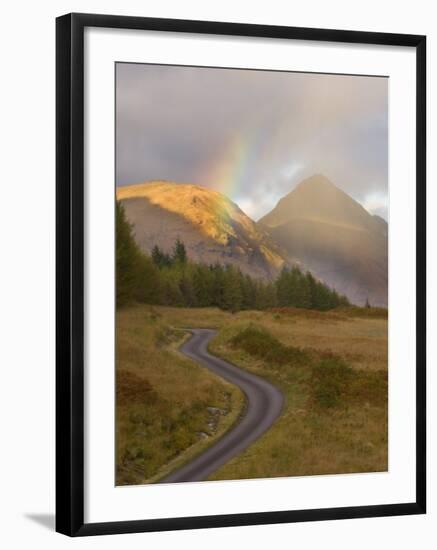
[(240, 274)]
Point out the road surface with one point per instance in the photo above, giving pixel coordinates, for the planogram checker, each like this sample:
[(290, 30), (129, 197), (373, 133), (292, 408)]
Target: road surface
[(264, 405)]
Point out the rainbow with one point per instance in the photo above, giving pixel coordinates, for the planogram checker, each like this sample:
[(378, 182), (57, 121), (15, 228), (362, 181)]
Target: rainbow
[(234, 166), (228, 172)]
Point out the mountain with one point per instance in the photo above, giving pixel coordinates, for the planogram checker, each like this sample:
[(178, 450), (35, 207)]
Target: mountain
[(335, 237), (212, 227), (382, 224)]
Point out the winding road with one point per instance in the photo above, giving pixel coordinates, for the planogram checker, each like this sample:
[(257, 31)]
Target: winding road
[(264, 405)]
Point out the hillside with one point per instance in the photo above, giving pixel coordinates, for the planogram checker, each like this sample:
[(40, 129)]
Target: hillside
[(212, 227), (335, 237)]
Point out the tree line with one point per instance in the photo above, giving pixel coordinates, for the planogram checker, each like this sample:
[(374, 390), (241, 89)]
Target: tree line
[(172, 279)]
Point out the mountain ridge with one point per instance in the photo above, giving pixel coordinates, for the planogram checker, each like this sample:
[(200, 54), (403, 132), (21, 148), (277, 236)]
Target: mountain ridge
[(212, 227), (316, 226), (335, 237), (321, 199)]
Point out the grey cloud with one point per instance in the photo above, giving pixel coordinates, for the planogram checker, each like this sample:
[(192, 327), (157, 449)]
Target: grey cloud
[(175, 122)]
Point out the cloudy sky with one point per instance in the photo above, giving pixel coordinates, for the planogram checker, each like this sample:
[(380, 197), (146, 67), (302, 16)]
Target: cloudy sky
[(253, 135)]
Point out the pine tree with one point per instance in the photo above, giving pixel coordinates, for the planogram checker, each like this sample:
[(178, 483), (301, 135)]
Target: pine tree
[(270, 298), (127, 254), (232, 292), (218, 285), (187, 289), (160, 258), (179, 252), (157, 256), (171, 292), (313, 288), (323, 297), (294, 287), (202, 285), (283, 288), (335, 299), (303, 291), (148, 285), (176, 281), (248, 292), (343, 301)]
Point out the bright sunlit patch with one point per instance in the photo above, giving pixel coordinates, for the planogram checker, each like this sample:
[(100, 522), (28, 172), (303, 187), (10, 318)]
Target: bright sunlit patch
[(265, 200), (291, 170), (376, 202)]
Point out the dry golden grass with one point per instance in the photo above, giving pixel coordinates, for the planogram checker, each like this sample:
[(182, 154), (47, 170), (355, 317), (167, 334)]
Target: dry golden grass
[(161, 432), (198, 205), (162, 398), (302, 444), (131, 388), (309, 439), (360, 341), (207, 317)]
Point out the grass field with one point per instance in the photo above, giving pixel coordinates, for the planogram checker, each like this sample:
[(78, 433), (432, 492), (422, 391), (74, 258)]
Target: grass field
[(168, 408), (331, 366)]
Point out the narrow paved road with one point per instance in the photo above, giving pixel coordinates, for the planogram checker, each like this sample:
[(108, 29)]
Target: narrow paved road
[(264, 405)]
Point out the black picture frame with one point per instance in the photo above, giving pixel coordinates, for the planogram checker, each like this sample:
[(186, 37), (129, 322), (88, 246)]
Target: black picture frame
[(70, 273)]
